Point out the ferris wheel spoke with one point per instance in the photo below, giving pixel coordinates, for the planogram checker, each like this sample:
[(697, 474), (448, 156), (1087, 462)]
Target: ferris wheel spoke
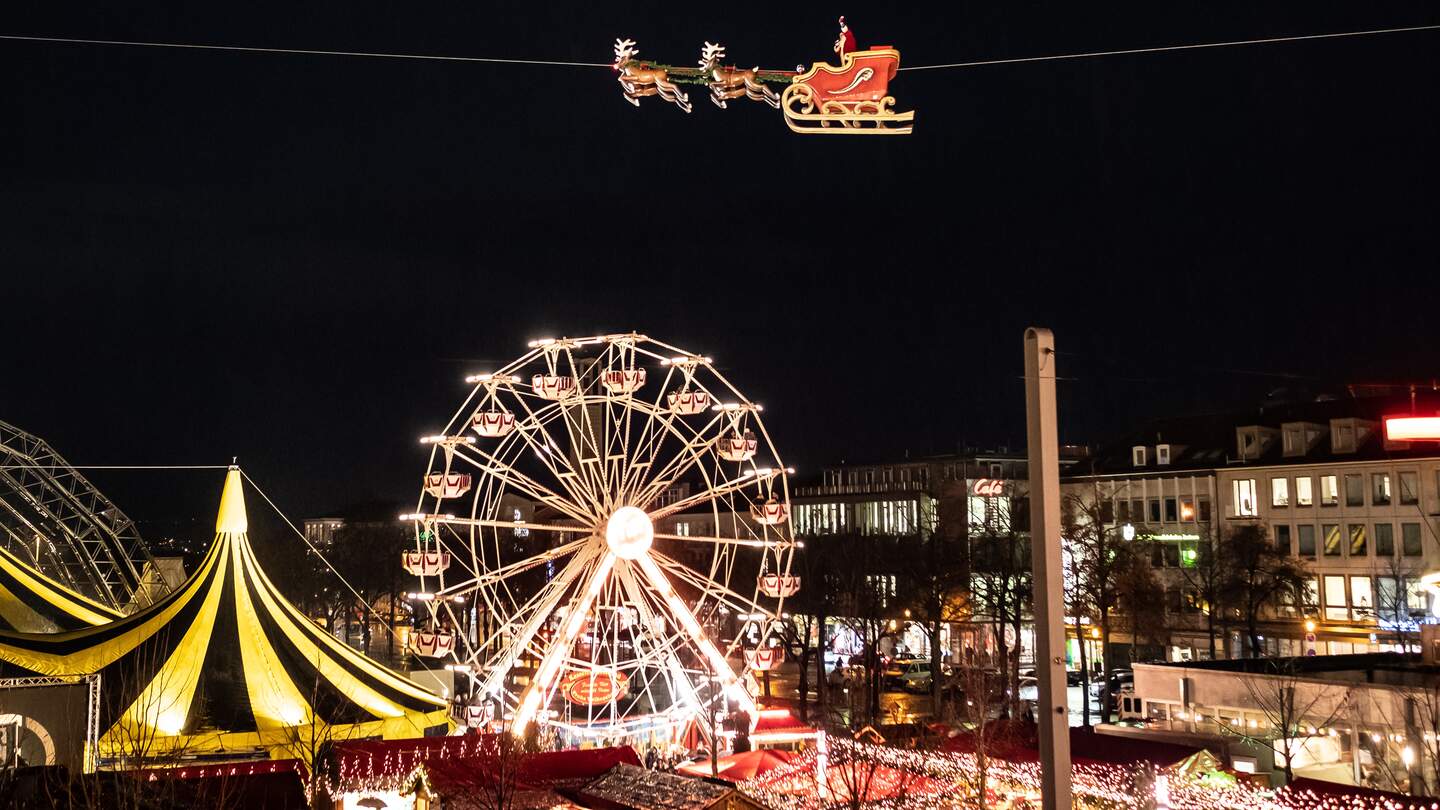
[(738, 601), (524, 483), (537, 612), (687, 620), (676, 680), (571, 479), (728, 541), (686, 457), (559, 649), (733, 485)]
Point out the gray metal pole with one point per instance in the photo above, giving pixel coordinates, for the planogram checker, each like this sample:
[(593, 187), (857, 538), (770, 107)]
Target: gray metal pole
[(1049, 587)]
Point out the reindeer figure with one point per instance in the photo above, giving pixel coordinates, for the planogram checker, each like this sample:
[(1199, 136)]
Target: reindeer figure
[(639, 80), (728, 82)]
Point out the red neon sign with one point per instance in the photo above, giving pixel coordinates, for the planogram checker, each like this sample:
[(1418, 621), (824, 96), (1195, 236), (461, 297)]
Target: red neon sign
[(1412, 428), (988, 487)]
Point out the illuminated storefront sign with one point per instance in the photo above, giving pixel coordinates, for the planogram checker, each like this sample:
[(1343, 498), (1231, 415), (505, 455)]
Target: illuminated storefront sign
[(989, 487), (1412, 428)]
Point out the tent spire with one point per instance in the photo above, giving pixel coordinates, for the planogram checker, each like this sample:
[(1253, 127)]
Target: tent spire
[(231, 519)]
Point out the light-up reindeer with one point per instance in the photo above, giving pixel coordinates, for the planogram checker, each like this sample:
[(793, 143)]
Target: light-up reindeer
[(728, 82), (638, 79)]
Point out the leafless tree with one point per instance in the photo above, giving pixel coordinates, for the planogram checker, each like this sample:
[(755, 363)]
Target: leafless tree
[(1257, 577), (1100, 558), (1291, 706)]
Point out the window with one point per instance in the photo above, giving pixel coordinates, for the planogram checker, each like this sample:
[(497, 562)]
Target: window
[(1162, 454), (1306, 537), (1246, 505), (1337, 607), (1165, 555), (1385, 539), (1380, 489), (1388, 590), (1310, 598), (682, 528), (1361, 597), (1172, 513), (1279, 492), (1154, 510), (1409, 488), (1357, 539), (1172, 600), (1187, 510), (1354, 490), (1415, 597), (1122, 511), (1204, 504), (1410, 540), (1137, 455), (997, 470), (1282, 539), (1303, 495), (1107, 511), (1331, 531), (1294, 441), (1329, 492)]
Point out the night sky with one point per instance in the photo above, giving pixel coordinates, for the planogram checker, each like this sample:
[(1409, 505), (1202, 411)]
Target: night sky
[(296, 259)]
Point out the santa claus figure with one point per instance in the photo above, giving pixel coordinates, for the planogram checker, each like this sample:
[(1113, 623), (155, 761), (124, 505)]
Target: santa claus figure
[(846, 43)]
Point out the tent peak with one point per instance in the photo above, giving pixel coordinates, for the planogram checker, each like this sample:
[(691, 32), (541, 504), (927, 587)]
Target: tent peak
[(232, 519)]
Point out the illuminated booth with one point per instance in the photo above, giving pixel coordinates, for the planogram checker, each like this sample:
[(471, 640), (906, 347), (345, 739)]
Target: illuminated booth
[(31, 602), (225, 666)]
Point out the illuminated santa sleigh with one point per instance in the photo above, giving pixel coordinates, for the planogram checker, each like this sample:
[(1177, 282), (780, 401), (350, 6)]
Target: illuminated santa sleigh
[(851, 99)]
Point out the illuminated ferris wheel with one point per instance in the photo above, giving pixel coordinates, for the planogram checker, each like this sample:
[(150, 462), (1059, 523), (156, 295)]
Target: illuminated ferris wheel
[(603, 539)]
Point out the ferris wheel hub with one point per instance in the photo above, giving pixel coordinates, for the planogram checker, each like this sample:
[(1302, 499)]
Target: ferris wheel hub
[(629, 533)]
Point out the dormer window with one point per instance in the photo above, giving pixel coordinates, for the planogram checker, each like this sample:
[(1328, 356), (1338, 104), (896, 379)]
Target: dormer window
[(1342, 438), (1137, 455), (1294, 440), (1162, 454)]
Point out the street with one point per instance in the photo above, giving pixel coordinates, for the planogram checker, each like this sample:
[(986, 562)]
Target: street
[(895, 706)]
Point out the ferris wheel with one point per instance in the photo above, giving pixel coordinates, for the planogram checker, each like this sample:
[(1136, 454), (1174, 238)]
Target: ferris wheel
[(603, 540)]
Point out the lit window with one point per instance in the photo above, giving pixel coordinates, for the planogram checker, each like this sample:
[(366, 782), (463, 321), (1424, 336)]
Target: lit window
[(1162, 454), (1337, 606), (1245, 502), (1303, 495), (1331, 531), (1357, 540), (1279, 492), (1380, 489), (682, 528), (1361, 597), (1329, 490), (1187, 510)]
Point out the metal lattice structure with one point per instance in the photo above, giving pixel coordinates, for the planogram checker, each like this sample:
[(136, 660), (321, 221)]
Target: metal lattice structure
[(52, 517), (626, 548)]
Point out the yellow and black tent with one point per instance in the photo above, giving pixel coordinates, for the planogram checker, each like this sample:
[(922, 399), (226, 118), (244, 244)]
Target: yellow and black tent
[(225, 663), (31, 602)]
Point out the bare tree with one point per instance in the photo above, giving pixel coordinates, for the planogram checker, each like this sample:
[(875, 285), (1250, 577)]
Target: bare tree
[(1100, 558), (1206, 577), (1257, 577), (1292, 707)]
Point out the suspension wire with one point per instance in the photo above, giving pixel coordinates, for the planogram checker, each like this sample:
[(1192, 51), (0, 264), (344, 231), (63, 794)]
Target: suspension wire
[(557, 63), (302, 51), (1195, 46), (125, 467), (301, 535)]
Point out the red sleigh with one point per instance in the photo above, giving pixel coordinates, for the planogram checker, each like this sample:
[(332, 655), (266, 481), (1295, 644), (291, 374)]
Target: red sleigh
[(847, 100)]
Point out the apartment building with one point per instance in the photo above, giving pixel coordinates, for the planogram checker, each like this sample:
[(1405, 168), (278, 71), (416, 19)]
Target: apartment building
[(1359, 510)]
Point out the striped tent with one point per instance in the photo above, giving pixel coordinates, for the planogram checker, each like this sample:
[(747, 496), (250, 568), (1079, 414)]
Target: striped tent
[(31, 602), (225, 663)]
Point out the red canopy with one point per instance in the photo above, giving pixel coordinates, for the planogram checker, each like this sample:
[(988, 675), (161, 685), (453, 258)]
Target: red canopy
[(465, 762), (739, 767)]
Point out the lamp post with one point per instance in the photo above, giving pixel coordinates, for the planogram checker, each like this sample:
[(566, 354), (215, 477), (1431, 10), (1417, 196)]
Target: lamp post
[(1128, 532)]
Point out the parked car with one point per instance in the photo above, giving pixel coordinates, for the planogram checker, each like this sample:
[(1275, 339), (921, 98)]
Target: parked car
[(1073, 677), (911, 676), (1118, 678)]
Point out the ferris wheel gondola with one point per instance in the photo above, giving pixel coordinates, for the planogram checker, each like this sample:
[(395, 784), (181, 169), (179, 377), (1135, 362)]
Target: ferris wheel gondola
[(579, 600)]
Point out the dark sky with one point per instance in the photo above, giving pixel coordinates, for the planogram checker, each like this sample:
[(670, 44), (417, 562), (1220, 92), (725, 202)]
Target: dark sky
[(296, 259)]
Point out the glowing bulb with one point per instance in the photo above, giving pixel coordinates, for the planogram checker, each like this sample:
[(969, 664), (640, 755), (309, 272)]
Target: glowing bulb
[(629, 533)]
